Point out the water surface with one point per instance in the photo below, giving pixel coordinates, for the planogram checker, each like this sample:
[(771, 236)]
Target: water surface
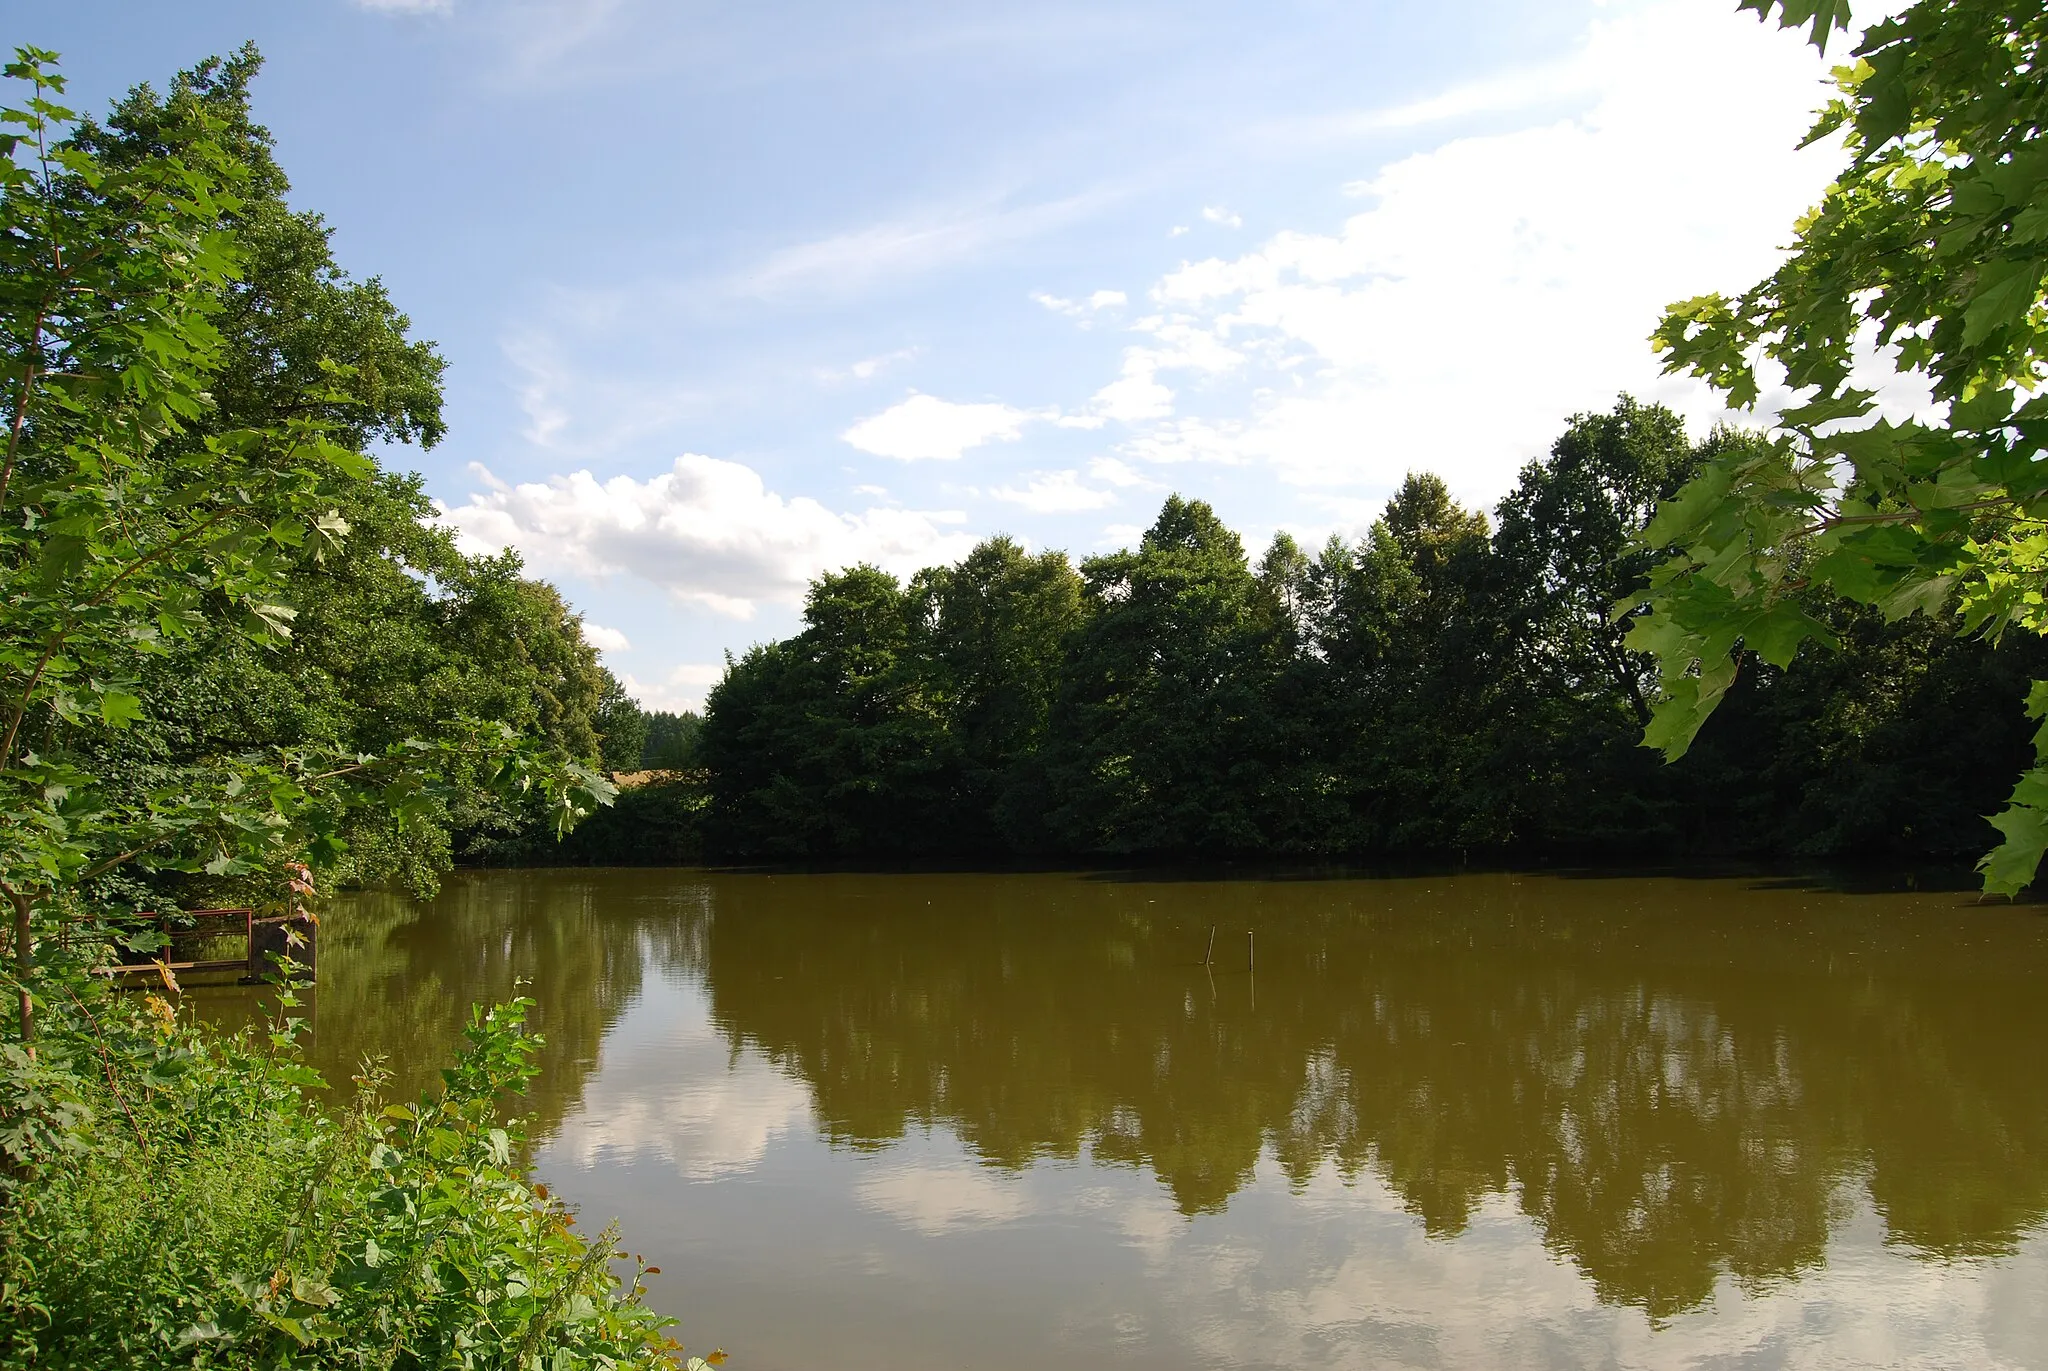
[(941, 1121)]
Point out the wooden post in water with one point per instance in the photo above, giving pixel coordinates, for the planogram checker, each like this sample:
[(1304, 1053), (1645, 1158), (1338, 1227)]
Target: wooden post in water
[(1210, 955), (1252, 947)]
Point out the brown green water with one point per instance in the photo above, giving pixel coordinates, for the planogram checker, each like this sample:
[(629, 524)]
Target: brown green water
[(945, 1121)]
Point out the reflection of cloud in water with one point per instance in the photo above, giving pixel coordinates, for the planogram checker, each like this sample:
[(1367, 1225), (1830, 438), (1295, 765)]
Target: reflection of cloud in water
[(670, 1088), (1623, 1148), (936, 1198), (1343, 1275)]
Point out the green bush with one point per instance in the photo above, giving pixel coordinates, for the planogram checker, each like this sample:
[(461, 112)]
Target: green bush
[(174, 1196)]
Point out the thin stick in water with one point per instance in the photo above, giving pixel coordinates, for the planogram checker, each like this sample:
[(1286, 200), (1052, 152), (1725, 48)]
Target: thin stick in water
[(1210, 955)]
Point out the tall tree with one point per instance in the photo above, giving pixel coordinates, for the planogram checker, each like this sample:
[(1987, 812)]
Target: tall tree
[(1159, 737), (990, 637), (392, 629), (671, 740), (827, 745), (1409, 640), (1566, 540), (620, 725), (135, 528)]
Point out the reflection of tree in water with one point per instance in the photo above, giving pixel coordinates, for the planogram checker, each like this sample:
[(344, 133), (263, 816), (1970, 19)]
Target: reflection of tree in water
[(1671, 1089), (397, 977)]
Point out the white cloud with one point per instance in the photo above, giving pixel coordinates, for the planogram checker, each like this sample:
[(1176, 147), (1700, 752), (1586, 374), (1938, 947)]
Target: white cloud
[(1120, 535), (1055, 492), (681, 688), (605, 639), (1499, 282), (707, 531), (1100, 300), (1183, 344), (926, 428), (1177, 230), (1137, 394), (1216, 214), (408, 6), (1112, 472), (1218, 441)]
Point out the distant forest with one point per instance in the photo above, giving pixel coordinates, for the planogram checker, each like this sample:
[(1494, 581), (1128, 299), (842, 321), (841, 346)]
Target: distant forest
[(1448, 686)]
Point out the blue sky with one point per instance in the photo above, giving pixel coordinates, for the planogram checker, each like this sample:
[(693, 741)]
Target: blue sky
[(733, 294)]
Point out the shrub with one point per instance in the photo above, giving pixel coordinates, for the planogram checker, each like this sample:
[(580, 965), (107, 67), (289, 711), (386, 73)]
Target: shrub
[(174, 1196)]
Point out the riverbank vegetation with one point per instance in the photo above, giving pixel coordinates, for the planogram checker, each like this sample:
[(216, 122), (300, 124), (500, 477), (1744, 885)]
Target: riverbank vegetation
[(185, 1204), (234, 652)]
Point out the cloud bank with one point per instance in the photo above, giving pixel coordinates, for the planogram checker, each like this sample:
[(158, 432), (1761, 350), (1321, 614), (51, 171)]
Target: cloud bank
[(1497, 283), (709, 532)]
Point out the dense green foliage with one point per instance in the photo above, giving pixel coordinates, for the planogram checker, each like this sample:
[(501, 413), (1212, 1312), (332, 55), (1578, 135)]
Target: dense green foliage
[(393, 631), (1449, 685), (670, 740), (1933, 245), (220, 657), (221, 666), (902, 720), (197, 1208)]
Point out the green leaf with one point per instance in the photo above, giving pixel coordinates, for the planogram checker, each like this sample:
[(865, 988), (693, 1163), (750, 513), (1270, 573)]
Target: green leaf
[(1822, 16), (276, 619), (1920, 595), (2005, 291), (1850, 404), (2010, 867), (1989, 408), (1687, 703), (1776, 635), (118, 708), (64, 557)]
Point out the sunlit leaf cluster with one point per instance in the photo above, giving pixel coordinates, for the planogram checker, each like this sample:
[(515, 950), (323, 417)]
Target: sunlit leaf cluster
[(1926, 258)]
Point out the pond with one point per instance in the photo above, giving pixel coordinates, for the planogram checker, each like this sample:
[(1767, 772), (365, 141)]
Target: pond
[(995, 1121)]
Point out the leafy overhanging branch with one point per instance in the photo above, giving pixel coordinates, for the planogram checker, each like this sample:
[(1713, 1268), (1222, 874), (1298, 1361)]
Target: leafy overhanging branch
[(1933, 244)]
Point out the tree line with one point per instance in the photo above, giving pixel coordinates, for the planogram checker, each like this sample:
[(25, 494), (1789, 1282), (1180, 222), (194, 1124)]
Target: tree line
[(1449, 685)]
